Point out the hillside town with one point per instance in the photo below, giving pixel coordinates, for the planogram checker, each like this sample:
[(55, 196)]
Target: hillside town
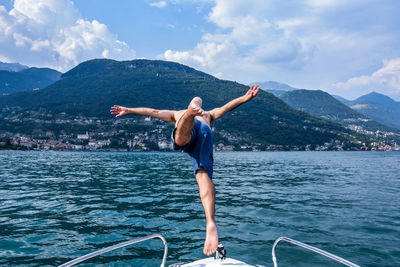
[(140, 134)]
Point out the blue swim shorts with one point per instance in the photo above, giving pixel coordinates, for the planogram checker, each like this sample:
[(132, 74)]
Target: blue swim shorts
[(199, 148)]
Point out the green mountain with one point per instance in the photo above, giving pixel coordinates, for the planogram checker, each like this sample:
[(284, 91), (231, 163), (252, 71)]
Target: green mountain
[(26, 79), (91, 88), (379, 107), (321, 104)]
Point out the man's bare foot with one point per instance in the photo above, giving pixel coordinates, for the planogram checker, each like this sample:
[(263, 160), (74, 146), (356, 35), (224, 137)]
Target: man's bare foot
[(194, 108), (211, 243)]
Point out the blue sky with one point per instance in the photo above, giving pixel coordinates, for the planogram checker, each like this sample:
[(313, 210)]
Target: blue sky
[(151, 30), (345, 47)]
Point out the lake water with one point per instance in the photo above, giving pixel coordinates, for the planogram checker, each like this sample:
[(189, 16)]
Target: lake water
[(56, 206)]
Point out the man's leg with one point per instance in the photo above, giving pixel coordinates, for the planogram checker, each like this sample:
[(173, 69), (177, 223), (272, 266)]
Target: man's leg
[(183, 132), (207, 195)]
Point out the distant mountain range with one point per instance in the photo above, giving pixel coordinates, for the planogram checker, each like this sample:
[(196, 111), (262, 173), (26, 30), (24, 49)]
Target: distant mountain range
[(341, 99), (26, 79), (321, 104), (373, 111), (271, 85), (91, 88), (12, 66), (275, 88), (378, 107)]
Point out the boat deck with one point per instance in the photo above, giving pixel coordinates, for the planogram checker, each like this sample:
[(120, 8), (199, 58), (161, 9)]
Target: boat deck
[(212, 262)]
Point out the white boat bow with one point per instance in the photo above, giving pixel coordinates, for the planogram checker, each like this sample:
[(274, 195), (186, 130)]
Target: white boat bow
[(219, 260)]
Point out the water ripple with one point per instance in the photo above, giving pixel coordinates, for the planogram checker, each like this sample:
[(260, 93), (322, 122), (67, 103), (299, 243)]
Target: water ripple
[(59, 205)]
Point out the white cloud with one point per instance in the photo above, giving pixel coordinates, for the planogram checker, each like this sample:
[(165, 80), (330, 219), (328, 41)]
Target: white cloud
[(52, 33), (309, 44), (159, 4), (386, 80), (246, 40)]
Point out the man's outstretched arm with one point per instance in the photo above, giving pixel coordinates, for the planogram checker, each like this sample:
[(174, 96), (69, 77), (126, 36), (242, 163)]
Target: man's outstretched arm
[(165, 115), (231, 105)]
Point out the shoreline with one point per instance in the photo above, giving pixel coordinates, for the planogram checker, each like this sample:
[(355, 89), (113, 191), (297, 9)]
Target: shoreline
[(168, 151)]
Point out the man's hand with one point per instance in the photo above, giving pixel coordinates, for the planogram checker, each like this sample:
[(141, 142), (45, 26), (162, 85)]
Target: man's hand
[(253, 91), (119, 111)]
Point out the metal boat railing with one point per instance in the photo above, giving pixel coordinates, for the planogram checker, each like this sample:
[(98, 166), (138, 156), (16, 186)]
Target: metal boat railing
[(117, 246), (314, 249), (131, 242)]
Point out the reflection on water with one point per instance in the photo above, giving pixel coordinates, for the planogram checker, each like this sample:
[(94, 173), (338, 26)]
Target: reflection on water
[(59, 205)]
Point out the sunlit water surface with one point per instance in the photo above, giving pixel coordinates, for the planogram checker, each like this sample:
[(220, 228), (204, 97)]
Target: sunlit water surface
[(56, 206)]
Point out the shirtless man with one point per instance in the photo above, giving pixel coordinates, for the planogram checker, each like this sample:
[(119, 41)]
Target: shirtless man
[(193, 135)]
